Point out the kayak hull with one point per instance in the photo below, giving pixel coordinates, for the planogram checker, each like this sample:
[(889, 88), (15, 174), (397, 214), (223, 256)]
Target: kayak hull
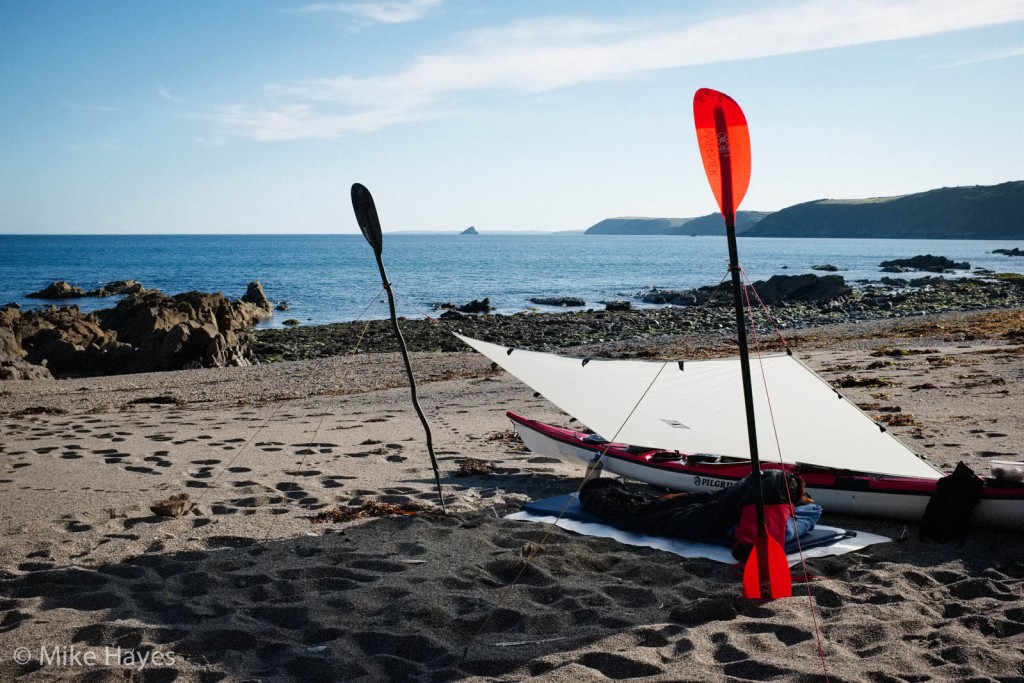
[(839, 492)]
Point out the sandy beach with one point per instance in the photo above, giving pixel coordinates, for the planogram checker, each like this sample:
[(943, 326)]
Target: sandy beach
[(262, 580)]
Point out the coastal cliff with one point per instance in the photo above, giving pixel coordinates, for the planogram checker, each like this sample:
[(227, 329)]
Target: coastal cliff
[(710, 224), (975, 212)]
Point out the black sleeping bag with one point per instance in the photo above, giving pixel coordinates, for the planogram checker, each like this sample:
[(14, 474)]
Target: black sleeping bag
[(696, 516)]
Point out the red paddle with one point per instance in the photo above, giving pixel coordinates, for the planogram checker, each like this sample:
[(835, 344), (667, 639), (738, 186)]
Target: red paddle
[(725, 149)]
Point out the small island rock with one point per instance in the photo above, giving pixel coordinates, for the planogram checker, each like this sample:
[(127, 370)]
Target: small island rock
[(255, 295), (58, 290), (558, 301), (927, 263), (117, 287)]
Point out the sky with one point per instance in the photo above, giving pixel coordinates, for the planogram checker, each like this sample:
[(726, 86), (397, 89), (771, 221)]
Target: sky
[(256, 116)]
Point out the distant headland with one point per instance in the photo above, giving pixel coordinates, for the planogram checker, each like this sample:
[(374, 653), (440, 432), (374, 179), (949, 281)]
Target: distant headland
[(975, 212), (710, 224)]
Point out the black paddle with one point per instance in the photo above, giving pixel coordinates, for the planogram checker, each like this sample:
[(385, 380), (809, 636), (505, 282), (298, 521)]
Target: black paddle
[(366, 216)]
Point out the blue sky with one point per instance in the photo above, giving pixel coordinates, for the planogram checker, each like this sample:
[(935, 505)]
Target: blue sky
[(257, 116)]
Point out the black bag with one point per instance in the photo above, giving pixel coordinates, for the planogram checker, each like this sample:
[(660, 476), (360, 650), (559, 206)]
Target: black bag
[(948, 515), (693, 516)]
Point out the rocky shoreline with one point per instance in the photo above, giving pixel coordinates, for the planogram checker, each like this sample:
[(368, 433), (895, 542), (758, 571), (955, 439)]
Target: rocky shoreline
[(146, 331), (151, 331), (711, 315)]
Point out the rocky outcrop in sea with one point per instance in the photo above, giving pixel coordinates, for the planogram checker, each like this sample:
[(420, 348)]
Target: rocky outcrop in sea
[(926, 262), (146, 331), (65, 290), (775, 290)]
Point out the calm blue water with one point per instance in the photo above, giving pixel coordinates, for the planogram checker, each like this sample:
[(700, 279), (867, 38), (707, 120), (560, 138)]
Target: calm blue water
[(332, 278)]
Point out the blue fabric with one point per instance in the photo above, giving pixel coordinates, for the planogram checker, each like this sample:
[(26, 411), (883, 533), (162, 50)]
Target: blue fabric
[(803, 520)]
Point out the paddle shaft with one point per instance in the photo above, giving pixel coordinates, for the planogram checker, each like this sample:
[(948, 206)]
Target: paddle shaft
[(369, 224), (729, 212), (412, 379)]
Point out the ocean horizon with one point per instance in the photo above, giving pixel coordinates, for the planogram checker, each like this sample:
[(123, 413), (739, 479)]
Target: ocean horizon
[(328, 278)]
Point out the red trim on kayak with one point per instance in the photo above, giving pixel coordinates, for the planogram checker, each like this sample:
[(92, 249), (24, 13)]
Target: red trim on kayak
[(815, 477)]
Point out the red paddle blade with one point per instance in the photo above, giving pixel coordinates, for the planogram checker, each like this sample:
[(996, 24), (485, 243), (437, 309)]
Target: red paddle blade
[(725, 148), (767, 572)]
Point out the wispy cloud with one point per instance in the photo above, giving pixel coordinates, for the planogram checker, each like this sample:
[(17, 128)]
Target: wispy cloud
[(167, 95), (543, 55), (370, 13), (210, 142), (990, 56)]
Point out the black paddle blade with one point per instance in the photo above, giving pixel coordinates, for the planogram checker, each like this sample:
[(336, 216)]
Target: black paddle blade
[(366, 216)]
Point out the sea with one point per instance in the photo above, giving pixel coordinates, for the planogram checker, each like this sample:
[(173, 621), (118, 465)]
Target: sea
[(334, 278)]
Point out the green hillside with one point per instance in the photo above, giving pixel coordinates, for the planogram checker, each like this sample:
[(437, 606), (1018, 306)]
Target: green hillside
[(977, 212), (710, 224)]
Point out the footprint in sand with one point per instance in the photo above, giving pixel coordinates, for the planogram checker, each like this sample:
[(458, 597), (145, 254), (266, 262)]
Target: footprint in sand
[(332, 481), (303, 473)]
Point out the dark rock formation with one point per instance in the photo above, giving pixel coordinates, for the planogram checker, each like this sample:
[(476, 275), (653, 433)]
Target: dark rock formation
[(146, 331), (186, 330), (809, 289), (9, 346), (827, 267), (469, 231), (558, 301), (58, 290), (118, 287), (64, 339), (1009, 252), (64, 290), (255, 295), (802, 288), (19, 369), (927, 262), (474, 306), (618, 305), (689, 297)]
